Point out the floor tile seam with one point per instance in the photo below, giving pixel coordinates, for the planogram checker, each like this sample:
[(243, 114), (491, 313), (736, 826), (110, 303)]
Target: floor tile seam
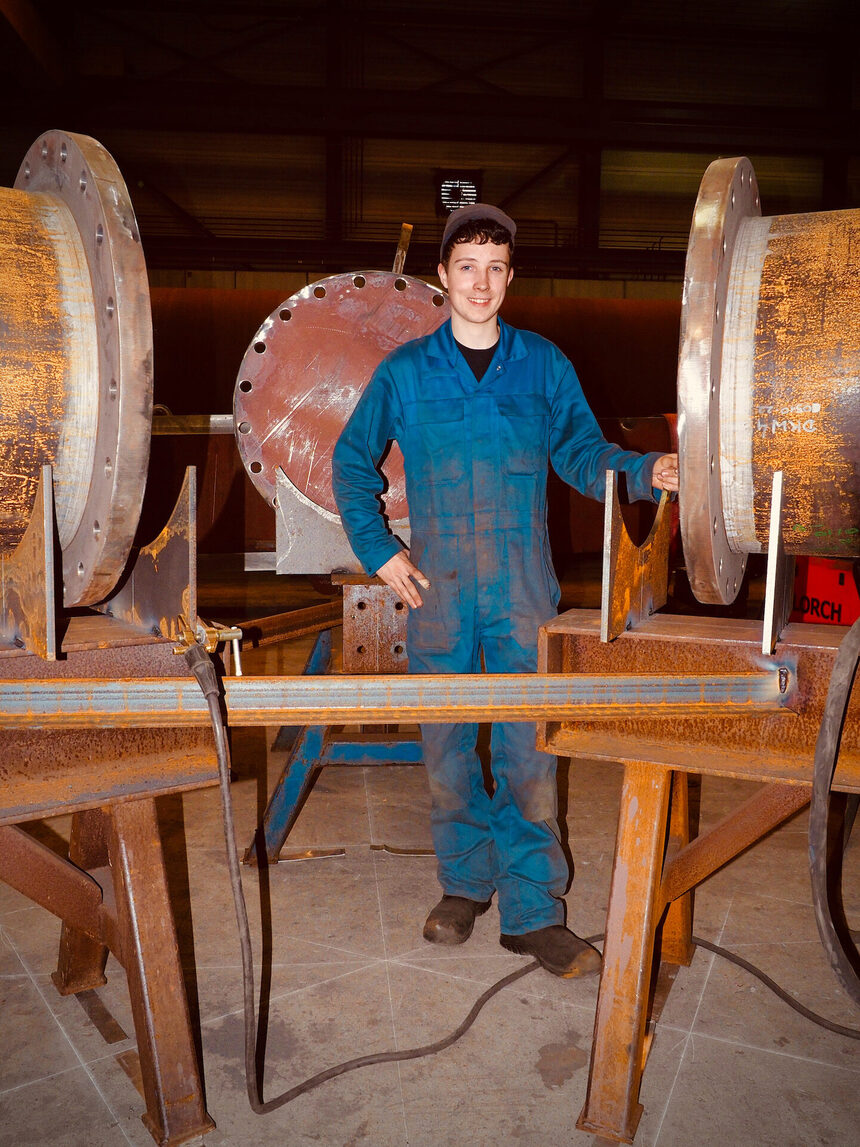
[(82, 1063), (532, 995), (24, 908), (258, 967), (374, 862), (753, 897), (446, 974), (332, 948), (687, 1040), (777, 1052), (769, 943), (42, 1079), (285, 995)]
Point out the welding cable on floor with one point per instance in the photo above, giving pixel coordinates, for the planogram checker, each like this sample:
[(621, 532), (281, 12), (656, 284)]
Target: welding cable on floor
[(842, 954), (204, 670)]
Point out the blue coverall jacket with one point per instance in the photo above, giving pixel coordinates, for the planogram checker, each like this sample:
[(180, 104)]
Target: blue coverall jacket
[(476, 457)]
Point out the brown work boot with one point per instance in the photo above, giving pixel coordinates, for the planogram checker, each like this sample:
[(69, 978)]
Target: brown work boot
[(557, 949), (452, 920)]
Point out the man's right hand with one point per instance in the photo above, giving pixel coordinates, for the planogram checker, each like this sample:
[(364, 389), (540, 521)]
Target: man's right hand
[(399, 572)]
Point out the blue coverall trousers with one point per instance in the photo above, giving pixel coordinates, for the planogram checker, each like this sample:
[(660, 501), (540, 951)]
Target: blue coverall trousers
[(508, 842), (476, 454)]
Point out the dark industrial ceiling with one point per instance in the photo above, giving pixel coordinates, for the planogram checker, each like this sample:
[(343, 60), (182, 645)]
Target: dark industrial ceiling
[(298, 136)]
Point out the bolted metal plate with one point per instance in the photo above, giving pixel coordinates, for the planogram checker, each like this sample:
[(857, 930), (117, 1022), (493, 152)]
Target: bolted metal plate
[(728, 197), (103, 452), (306, 368)]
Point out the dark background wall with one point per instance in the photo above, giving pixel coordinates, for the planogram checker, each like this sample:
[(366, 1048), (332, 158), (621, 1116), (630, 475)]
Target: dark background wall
[(269, 142)]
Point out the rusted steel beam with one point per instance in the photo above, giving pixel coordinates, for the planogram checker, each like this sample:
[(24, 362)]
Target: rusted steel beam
[(38, 873), (294, 623), (335, 700), (767, 808), (758, 747)]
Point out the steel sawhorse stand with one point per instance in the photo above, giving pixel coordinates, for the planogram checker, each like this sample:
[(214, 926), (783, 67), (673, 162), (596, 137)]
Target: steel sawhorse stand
[(374, 641), (112, 893), (659, 859)]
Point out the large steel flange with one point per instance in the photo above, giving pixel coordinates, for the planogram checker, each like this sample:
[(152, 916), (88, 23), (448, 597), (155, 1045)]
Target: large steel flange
[(728, 200), (305, 370), (77, 383), (767, 381)]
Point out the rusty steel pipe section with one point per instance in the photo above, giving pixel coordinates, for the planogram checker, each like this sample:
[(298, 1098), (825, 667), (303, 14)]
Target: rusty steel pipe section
[(75, 358), (767, 380)]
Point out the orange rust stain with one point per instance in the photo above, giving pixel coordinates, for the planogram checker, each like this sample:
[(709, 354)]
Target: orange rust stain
[(806, 393), (32, 359)]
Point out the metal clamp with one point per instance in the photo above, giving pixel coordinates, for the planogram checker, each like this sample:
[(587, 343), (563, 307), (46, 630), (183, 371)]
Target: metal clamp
[(210, 635)]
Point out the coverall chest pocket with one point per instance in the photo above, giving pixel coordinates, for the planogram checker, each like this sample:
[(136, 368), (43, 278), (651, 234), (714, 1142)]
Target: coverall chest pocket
[(439, 439), (523, 432)]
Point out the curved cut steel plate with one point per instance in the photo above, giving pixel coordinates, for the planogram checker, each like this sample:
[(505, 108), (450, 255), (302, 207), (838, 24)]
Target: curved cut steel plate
[(306, 368)]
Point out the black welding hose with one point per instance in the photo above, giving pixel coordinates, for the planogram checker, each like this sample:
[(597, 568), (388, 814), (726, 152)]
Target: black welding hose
[(841, 952), (204, 670)]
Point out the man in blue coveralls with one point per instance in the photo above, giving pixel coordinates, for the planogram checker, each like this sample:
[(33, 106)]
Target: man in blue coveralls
[(478, 409)]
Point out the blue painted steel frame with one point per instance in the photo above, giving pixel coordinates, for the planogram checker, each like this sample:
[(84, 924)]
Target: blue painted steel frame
[(313, 747)]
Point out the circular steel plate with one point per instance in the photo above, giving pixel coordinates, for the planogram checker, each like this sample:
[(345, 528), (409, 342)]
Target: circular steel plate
[(73, 174), (727, 197), (306, 368)]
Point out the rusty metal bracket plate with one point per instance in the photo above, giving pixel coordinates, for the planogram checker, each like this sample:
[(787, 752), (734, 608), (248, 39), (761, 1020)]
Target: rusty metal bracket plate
[(635, 578), (27, 581), (374, 627), (162, 582)]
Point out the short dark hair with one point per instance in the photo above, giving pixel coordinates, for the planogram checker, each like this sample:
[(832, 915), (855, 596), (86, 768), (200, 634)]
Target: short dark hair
[(477, 231)]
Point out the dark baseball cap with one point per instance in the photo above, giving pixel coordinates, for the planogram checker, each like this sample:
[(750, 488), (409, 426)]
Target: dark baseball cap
[(475, 211)]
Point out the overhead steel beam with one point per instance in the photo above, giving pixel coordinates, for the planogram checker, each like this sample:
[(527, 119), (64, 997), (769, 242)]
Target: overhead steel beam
[(36, 37), (137, 104), (319, 254)]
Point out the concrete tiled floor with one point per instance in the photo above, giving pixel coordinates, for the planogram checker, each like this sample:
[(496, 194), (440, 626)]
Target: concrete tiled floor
[(731, 1065)]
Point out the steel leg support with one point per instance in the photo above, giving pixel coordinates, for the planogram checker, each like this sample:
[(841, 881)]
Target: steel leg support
[(612, 1107), (676, 938), (299, 773), (289, 793), (149, 952), (81, 963)]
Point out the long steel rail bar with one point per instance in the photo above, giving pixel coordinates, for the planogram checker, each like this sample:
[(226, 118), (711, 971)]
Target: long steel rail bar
[(334, 700)]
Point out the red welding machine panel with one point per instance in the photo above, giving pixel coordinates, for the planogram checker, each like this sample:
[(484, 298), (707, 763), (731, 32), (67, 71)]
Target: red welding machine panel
[(306, 367), (825, 591)]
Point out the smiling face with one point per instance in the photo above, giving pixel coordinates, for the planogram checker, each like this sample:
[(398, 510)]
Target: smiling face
[(476, 278)]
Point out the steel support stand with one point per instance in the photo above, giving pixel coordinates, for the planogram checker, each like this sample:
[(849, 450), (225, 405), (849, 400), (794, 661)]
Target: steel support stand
[(121, 904), (612, 1106)]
